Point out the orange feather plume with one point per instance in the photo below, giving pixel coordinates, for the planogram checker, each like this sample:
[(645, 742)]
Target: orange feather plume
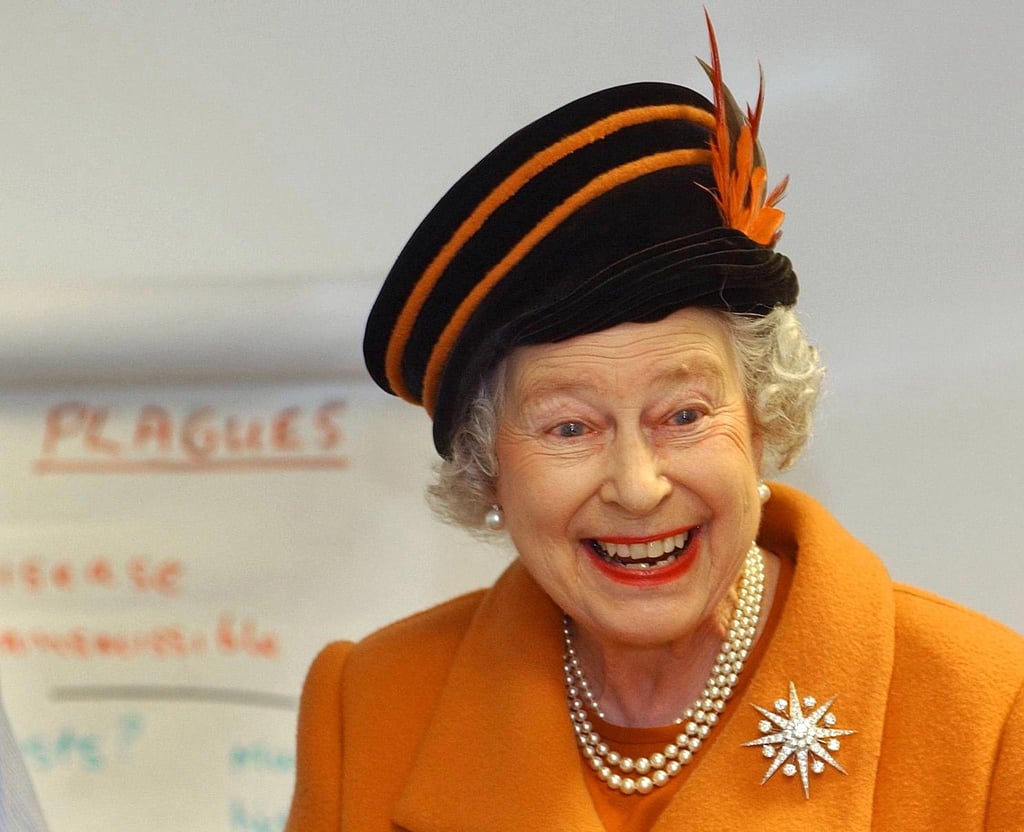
[(738, 163)]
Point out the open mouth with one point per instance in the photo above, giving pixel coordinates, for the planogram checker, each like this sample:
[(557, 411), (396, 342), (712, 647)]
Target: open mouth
[(644, 557)]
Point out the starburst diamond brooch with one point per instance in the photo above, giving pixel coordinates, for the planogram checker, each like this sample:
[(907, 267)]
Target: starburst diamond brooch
[(808, 740)]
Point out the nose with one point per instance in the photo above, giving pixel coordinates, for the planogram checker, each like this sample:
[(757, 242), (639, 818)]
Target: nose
[(634, 480)]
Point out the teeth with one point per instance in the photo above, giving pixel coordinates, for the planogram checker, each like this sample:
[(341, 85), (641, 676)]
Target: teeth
[(654, 550)]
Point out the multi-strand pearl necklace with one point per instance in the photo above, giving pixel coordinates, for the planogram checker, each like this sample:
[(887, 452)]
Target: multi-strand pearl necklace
[(643, 774)]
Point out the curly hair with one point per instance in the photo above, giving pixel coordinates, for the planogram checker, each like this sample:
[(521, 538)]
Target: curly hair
[(781, 374)]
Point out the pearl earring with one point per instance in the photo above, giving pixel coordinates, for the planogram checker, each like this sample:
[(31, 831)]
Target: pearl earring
[(764, 492), (494, 519)]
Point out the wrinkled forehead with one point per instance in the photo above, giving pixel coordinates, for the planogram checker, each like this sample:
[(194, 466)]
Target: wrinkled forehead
[(690, 347)]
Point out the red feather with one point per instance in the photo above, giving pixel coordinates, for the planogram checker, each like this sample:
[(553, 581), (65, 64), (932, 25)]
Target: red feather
[(737, 163)]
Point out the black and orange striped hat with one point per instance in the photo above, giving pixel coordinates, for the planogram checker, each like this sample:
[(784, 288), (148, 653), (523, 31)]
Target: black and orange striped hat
[(625, 205)]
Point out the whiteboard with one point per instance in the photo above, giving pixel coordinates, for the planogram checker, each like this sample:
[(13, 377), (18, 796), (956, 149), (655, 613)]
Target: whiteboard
[(173, 558)]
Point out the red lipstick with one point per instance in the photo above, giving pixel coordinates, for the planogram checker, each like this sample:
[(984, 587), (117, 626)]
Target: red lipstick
[(657, 576)]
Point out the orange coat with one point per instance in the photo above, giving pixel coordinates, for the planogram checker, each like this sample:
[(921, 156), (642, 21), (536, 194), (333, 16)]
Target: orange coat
[(455, 719)]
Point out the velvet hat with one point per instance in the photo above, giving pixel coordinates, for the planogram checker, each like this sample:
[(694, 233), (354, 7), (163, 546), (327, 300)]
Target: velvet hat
[(622, 206)]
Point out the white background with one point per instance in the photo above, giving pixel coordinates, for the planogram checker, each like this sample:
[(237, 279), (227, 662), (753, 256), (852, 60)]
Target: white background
[(198, 199)]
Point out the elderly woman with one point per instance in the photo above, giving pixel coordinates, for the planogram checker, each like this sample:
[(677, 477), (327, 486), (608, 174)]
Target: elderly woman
[(597, 321)]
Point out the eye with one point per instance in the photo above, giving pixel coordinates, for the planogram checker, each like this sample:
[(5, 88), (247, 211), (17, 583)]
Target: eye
[(567, 430), (685, 417)]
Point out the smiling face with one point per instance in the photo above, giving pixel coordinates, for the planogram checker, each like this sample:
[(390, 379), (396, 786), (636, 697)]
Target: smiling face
[(628, 474)]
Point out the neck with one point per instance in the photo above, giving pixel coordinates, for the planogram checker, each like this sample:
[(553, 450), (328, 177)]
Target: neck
[(648, 686), (654, 685)]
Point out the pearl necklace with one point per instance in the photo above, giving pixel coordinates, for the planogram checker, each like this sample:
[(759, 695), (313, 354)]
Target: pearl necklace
[(658, 769)]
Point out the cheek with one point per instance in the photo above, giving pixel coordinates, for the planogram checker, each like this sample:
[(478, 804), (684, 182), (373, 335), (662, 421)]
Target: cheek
[(541, 496), (728, 452), (524, 488), (735, 428), (516, 466), (735, 454)]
